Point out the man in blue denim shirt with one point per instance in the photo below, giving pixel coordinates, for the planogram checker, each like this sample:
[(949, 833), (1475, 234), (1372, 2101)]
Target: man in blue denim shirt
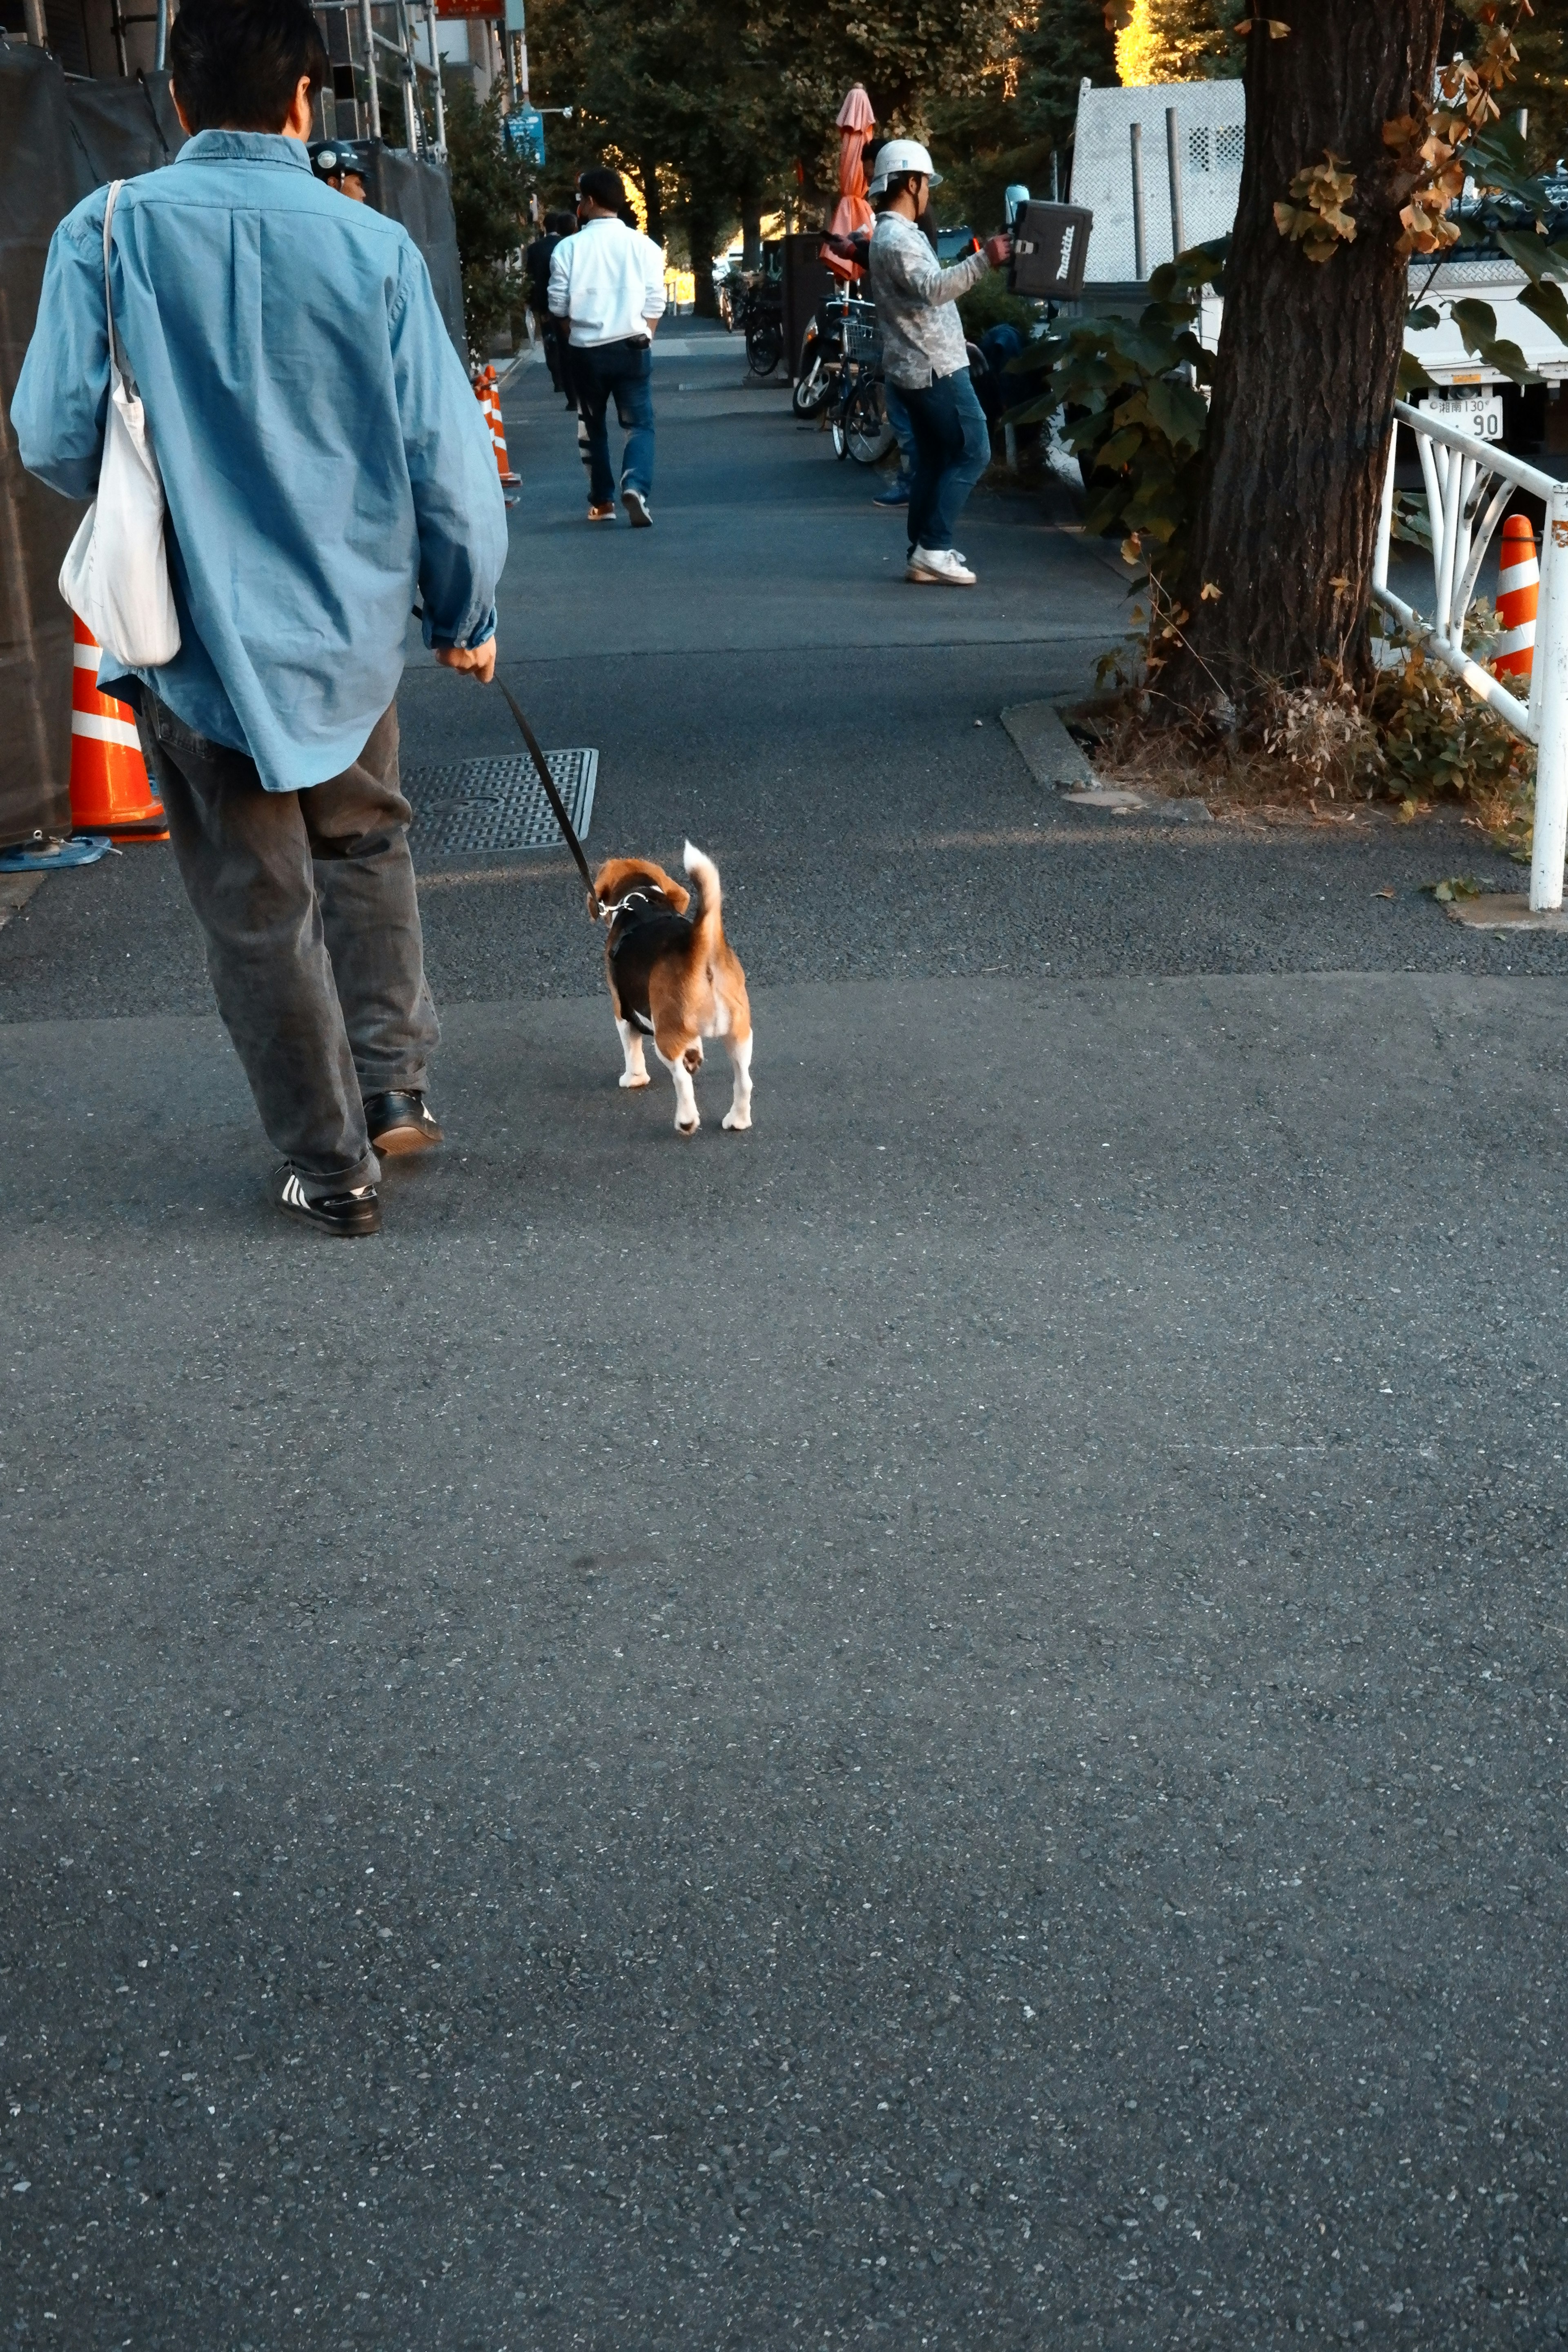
[(324, 461)]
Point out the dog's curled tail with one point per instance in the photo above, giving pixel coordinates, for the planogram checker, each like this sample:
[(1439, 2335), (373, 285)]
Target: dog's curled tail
[(705, 874)]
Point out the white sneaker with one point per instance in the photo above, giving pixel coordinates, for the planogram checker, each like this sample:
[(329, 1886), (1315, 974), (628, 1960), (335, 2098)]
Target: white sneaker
[(940, 564)]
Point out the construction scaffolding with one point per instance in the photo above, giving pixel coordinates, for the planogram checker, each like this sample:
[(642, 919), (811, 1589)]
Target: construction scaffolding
[(367, 40)]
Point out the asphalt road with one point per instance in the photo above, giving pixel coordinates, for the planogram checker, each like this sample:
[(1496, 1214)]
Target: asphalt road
[(939, 1724)]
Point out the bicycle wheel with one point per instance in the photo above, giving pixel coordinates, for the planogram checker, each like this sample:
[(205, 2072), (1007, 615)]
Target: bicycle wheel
[(813, 388), (867, 432), (764, 346)]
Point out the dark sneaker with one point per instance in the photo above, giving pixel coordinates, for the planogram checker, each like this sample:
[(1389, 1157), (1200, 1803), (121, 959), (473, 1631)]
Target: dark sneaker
[(400, 1123), (897, 494), (347, 1214), (638, 511), (602, 514)]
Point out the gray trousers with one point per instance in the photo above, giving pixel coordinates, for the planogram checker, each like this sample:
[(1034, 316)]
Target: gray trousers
[(306, 904)]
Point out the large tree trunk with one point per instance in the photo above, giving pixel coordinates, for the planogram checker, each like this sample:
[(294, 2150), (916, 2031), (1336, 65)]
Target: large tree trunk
[(752, 222), (652, 202), (701, 217), (1308, 353)]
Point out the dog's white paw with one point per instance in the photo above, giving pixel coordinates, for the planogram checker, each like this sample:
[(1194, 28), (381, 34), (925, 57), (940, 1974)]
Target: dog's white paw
[(635, 1078), (736, 1120), (690, 1129)]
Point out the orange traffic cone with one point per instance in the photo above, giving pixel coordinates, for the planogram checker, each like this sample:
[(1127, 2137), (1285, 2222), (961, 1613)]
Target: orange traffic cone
[(1519, 592), (111, 791), (510, 481)]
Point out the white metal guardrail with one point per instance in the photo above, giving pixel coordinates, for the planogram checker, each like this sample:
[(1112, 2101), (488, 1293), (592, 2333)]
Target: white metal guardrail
[(1468, 485)]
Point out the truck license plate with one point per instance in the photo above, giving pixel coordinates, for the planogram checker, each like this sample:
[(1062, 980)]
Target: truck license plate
[(1480, 415)]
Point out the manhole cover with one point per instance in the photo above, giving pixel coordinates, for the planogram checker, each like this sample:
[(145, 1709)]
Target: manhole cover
[(499, 804)]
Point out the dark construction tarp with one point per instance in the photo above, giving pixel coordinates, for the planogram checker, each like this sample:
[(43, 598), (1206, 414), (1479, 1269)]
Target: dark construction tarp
[(58, 140), (408, 188)]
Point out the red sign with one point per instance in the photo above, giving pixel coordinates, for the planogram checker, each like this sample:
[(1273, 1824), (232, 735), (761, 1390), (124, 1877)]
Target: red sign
[(469, 8)]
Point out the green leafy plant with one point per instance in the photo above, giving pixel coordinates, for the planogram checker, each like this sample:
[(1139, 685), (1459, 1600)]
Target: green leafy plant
[(1433, 736), (1133, 415), (490, 200), (1496, 159), (989, 304)]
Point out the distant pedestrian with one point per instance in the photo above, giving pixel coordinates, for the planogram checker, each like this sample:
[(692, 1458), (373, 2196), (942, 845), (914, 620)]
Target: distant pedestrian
[(323, 459), (925, 360), (536, 263), (337, 161), (607, 283)]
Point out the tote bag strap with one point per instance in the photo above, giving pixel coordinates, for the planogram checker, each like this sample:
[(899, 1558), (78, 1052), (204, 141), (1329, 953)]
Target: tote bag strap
[(116, 356)]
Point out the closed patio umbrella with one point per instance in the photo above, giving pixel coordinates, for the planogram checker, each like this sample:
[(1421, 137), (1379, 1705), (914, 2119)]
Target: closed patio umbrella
[(855, 123)]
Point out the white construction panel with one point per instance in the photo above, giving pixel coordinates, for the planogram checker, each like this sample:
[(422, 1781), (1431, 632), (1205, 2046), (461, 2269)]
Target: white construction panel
[(1211, 117)]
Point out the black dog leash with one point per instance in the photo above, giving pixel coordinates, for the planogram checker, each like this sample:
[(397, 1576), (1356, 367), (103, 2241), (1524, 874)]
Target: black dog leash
[(553, 797)]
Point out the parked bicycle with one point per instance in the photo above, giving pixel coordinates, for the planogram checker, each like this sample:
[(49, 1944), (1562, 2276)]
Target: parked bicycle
[(758, 316), (859, 423), (857, 403), (842, 326)]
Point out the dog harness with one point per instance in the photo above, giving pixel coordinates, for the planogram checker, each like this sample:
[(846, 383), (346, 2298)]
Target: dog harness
[(642, 925)]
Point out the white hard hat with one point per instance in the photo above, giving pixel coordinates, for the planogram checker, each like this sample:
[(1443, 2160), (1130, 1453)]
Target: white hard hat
[(901, 155)]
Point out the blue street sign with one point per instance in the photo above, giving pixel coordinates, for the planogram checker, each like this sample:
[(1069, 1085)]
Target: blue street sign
[(524, 132)]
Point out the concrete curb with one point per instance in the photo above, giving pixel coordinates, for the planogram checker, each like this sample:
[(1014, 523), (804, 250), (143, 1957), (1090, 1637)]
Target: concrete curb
[(1048, 750), (1056, 761)]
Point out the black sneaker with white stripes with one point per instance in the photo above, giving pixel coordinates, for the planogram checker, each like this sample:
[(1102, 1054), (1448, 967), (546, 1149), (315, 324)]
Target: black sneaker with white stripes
[(347, 1214)]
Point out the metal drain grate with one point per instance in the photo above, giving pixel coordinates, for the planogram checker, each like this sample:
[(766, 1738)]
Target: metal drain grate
[(500, 803)]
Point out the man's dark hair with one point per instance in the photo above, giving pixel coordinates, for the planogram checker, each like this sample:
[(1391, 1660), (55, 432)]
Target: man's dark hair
[(602, 186), (560, 224), (235, 64)]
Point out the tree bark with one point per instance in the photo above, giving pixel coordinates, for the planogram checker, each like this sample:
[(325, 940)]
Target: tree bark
[(1308, 354), (751, 222), (652, 205), (701, 218)]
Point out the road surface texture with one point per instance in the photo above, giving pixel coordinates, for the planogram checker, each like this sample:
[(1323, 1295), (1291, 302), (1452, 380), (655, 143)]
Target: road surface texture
[(940, 1725)]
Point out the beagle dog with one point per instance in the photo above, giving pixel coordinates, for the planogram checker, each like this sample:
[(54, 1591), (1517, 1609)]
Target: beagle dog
[(674, 977)]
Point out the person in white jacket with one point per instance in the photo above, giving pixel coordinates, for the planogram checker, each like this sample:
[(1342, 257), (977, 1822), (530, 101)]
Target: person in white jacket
[(607, 283), (926, 360)]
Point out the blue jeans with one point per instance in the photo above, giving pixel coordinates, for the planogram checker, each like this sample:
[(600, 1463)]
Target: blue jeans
[(953, 449), (625, 371), (904, 432)]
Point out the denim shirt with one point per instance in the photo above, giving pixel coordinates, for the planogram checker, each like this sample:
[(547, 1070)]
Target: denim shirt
[(322, 452)]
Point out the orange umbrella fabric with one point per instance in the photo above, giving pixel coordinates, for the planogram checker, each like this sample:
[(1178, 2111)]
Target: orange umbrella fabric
[(855, 123)]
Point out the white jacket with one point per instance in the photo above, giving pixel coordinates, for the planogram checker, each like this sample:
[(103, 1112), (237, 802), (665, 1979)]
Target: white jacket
[(609, 281)]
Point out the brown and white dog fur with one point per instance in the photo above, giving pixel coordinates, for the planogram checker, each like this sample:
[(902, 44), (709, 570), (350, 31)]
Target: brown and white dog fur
[(690, 977)]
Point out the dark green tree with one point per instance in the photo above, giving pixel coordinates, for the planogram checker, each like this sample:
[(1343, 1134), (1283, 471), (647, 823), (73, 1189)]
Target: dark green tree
[(489, 198)]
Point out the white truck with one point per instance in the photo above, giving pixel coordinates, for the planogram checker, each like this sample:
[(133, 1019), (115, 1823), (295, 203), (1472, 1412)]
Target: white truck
[(1157, 185)]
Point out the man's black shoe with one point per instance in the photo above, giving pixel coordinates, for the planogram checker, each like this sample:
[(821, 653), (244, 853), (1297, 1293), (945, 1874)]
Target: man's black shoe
[(400, 1123), (347, 1214)]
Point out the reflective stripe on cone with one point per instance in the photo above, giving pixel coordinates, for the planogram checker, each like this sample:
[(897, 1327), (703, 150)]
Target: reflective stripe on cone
[(510, 481), (1518, 592), (109, 788)]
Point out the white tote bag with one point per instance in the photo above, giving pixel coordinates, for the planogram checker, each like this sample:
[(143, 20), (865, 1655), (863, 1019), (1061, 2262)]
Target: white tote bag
[(116, 572)]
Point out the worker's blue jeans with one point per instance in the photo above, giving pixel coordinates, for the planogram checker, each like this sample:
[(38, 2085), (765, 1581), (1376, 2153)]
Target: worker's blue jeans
[(624, 372), (953, 449)]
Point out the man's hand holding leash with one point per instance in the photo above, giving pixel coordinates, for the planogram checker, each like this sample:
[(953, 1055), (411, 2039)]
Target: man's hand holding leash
[(480, 661)]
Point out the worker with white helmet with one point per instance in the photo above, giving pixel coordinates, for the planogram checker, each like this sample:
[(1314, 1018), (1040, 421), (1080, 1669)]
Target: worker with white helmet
[(925, 359)]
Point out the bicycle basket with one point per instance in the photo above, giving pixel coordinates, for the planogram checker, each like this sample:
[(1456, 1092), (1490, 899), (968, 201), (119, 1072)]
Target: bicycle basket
[(865, 343)]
